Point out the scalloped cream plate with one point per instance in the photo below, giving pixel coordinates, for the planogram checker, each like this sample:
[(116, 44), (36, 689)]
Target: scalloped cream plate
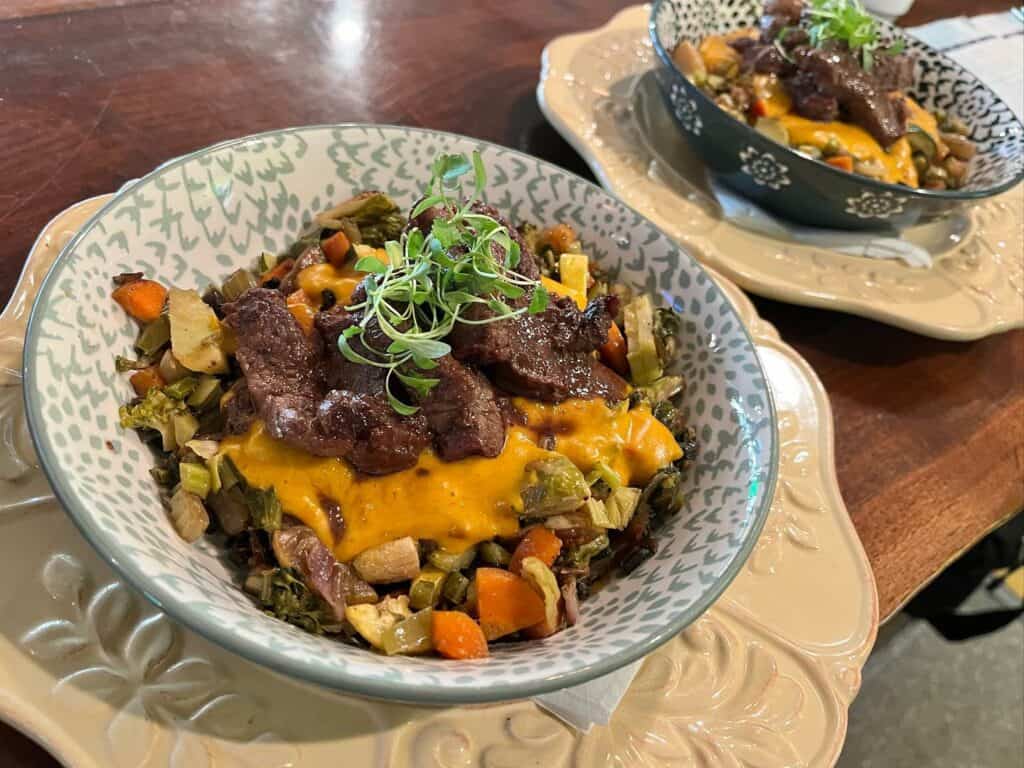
[(590, 91), (102, 679)]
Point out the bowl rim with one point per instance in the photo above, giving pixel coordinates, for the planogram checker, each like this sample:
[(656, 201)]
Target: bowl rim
[(307, 670), (920, 193)]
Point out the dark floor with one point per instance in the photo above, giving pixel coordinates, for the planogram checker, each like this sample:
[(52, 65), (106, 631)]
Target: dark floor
[(927, 702)]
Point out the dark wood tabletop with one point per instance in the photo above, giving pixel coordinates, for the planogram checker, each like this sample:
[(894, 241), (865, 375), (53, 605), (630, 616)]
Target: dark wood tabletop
[(929, 434)]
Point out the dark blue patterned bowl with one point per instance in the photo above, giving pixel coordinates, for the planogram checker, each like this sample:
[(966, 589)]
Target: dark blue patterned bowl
[(796, 187)]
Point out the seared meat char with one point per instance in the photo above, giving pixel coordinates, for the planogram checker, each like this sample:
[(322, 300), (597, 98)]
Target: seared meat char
[(547, 356), (286, 375)]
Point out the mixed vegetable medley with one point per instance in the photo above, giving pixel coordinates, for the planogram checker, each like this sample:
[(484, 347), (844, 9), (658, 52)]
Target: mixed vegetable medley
[(419, 433), (819, 77)]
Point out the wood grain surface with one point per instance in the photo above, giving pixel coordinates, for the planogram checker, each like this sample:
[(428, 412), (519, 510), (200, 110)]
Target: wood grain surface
[(929, 434)]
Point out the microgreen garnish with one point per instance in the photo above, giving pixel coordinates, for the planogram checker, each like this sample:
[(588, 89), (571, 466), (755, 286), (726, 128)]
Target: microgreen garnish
[(847, 21), (432, 279)]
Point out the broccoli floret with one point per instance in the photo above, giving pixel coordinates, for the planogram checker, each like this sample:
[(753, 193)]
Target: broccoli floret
[(155, 411)]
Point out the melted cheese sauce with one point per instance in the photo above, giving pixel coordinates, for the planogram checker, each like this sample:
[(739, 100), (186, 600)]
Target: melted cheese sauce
[(459, 503), (341, 282), (632, 442), (897, 161)]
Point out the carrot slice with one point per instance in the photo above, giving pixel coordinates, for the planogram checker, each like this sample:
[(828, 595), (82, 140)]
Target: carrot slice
[(302, 310), (538, 542), (336, 248), (278, 272), (144, 380), (842, 162), (613, 351), (142, 299), (457, 636), (505, 603)]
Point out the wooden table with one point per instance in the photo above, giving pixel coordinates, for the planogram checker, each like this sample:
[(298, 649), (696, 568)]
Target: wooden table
[(929, 434)]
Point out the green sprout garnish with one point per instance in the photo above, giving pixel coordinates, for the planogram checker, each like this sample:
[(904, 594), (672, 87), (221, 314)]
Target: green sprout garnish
[(432, 279), (847, 21)]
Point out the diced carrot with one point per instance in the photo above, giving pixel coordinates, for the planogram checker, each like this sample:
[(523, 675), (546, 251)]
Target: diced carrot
[(842, 162), (560, 237), (613, 351), (505, 603), (144, 380), (336, 248), (538, 542), (142, 299), (278, 272), (457, 636), (759, 108), (302, 310)]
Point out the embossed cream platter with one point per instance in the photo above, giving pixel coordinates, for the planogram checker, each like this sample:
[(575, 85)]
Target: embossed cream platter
[(104, 680), (588, 91)]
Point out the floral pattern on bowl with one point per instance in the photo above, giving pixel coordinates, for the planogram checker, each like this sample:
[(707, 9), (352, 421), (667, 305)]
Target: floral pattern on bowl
[(811, 192), (195, 219)]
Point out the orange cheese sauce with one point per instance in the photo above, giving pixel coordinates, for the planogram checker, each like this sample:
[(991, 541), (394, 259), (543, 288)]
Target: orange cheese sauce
[(897, 161), (341, 281), (460, 503)]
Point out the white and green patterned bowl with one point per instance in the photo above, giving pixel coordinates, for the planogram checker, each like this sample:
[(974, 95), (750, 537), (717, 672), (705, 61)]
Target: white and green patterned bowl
[(197, 218)]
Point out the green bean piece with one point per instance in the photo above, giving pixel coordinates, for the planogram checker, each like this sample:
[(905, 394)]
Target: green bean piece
[(238, 282), (154, 336), (410, 636), (493, 553), (455, 588), (448, 561), (425, 590)]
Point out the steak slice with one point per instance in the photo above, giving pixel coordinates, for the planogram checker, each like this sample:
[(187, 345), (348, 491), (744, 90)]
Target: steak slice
[(461, 411), (547, 356), (286, 374)]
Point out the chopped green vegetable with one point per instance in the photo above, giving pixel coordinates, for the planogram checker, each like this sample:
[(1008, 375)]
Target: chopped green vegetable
[(267, 262), (265, 508), (195, 333), (239, 282), (184, 426), (206, 395), (663, 495), (552, 486), (154, 336), (602, 471), (163, 476), (598, 513), (456, 588), (124, 364), (581, 555), (374, 216), (425, 590), (493, 553), (182, 388), (223, 472), (371, 621), (195, 478), (448, 561), (644, 362), (411, 635), (621, 505), (284, 595), (155, 411), (544, 583)]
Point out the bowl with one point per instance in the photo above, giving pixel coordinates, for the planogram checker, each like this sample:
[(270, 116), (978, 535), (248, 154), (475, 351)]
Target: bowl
[(798, 188), (195, 219)]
